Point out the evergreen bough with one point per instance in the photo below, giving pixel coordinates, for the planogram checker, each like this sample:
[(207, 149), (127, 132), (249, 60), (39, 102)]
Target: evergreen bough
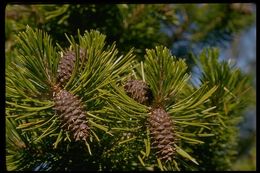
[(88, 108)]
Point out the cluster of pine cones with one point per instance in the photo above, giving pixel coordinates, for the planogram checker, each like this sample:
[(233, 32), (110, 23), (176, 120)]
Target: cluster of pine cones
[(68, 106), (160, 123), (73, 117)]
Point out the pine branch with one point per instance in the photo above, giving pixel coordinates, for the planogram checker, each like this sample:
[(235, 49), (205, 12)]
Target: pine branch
[(35, 73), (186, 111), (160, 64), (156, 120), (21, 152), (230, 99)]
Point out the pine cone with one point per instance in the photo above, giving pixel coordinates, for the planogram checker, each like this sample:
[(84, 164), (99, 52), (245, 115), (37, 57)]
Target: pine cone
[(162, 133), (139, 91), (70, 111), (66, 66)]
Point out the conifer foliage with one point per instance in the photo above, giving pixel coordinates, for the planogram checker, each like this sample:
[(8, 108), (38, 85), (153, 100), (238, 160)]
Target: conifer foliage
[(119, 114), (59, 97)]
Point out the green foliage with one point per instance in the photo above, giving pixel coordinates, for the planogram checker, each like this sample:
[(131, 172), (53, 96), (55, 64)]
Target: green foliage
[(247, 162), (186, 111), (205, 116), (212, 19), (22, 153), (135, 24), (109, 109), (233, 95), (31, 79), (159, 66)]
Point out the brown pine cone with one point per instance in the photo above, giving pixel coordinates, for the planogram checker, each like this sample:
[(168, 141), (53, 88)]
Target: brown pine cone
[(139, 91), (162, 133), (70, 110), (66, 66)]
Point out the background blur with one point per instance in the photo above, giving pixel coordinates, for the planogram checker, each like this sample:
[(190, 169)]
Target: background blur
[(184, 28)]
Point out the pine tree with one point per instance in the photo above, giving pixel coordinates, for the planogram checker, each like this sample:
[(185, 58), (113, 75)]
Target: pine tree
[(88, 107)]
